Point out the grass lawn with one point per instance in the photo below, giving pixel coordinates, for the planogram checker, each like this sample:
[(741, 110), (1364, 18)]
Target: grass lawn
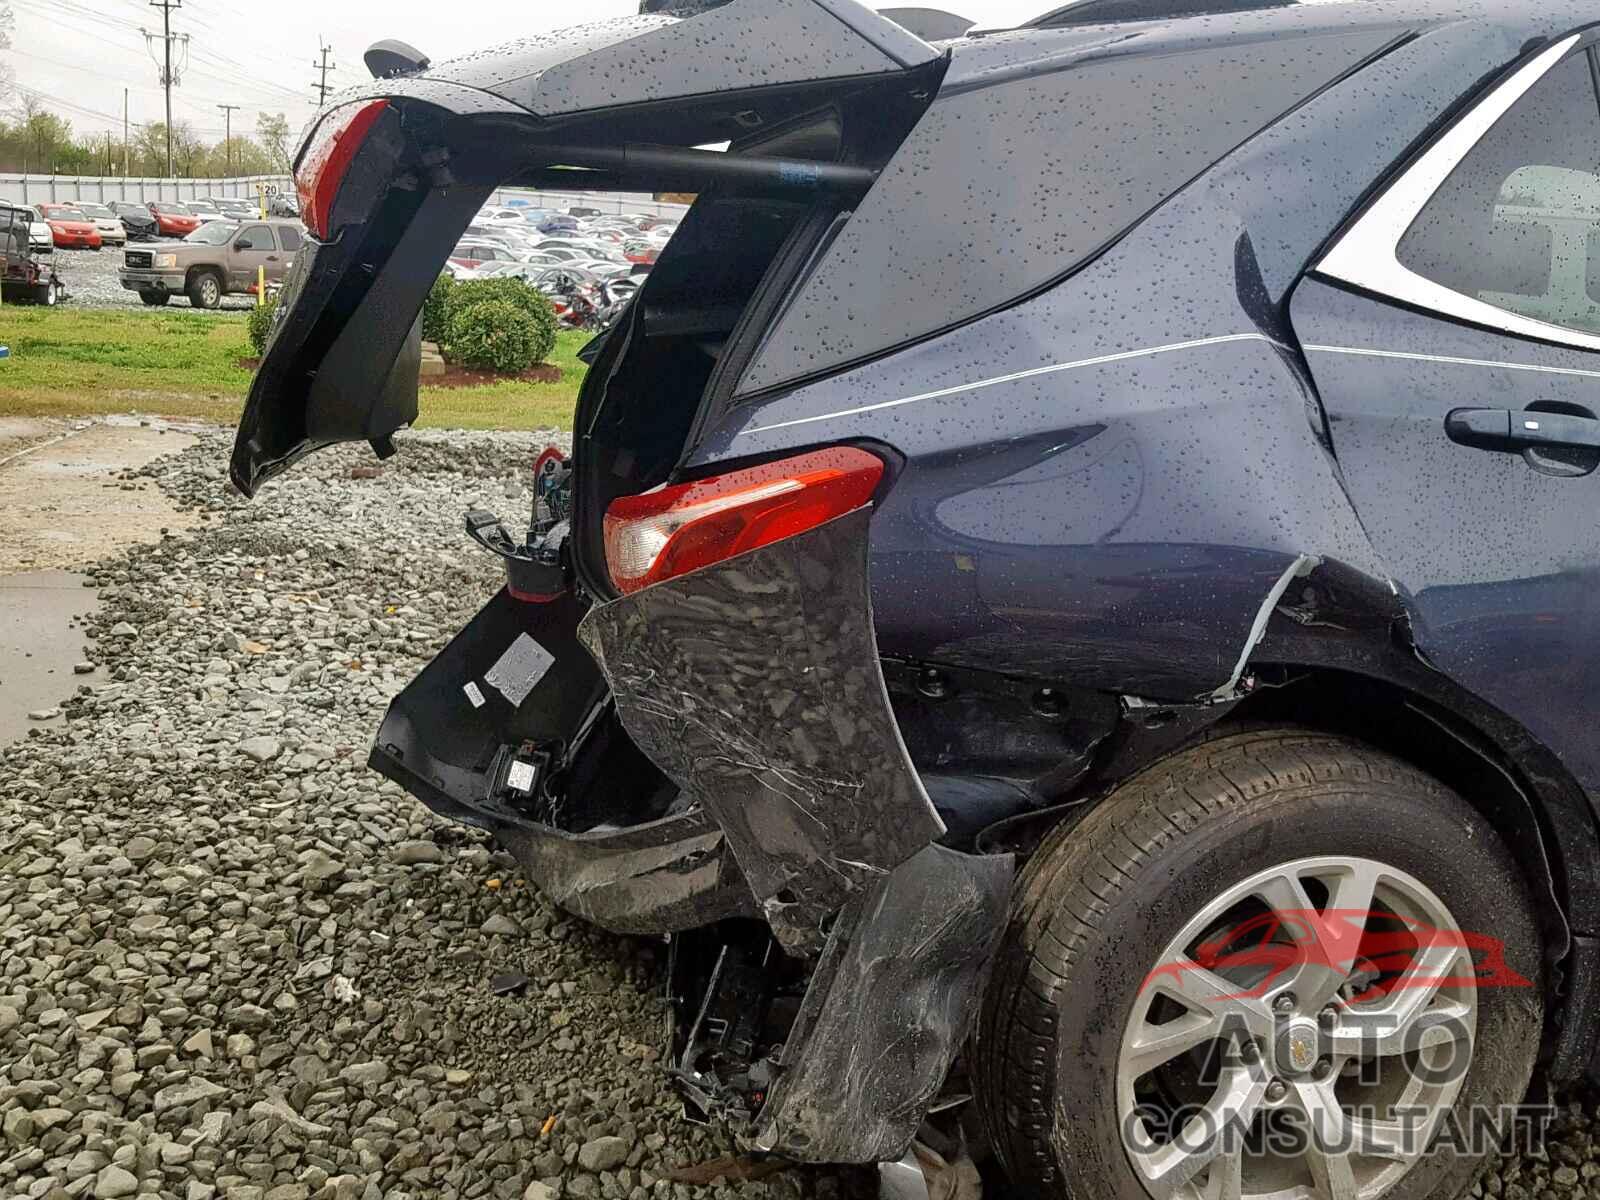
[(70, 362)]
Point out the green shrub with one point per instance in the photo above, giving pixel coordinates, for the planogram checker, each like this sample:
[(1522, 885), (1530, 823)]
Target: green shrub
[(518, 292), (259, 323), (493, 335), (436, 310)]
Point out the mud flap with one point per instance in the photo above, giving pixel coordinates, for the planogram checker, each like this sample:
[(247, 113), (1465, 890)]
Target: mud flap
[(891, 1001), (755, 685)]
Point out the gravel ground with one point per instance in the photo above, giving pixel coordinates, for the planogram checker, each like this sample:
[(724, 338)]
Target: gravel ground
[(234, 962), (91, 279)]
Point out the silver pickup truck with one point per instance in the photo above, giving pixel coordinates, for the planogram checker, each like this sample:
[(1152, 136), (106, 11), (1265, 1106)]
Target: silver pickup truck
[(218, 259)]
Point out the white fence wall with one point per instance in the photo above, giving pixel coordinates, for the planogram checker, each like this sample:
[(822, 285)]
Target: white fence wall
[(56, 189), (610, 203)]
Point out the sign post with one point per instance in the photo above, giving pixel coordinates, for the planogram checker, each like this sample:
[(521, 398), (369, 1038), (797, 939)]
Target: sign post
[(264, 191)]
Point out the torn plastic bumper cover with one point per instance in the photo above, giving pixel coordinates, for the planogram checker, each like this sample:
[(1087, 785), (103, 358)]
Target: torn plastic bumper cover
[(755, 685)]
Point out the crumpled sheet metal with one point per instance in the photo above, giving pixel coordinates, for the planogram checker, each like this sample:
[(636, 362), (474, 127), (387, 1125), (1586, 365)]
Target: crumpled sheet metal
[(755, 685), (660, 877), (892, 999)]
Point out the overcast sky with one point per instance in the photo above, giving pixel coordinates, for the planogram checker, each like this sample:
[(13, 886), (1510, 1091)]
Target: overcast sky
[(79, 55)]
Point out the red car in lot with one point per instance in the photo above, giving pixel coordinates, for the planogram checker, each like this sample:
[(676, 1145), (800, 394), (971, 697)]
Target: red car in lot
[(638, 251), (173, 219), (69, 228)]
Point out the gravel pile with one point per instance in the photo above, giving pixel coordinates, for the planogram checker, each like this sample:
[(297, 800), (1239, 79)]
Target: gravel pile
[(91, 279), (236, 964)]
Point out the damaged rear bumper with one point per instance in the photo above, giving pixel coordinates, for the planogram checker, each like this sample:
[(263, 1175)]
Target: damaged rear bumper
[(734, 756)]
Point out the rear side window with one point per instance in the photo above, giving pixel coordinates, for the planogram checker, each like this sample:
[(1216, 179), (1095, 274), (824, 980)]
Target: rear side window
[(290, 238), (1000, 190), (1515, 223)]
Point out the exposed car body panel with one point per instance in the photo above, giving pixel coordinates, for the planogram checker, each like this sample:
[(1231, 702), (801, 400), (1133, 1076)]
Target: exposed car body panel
[(443, 733)]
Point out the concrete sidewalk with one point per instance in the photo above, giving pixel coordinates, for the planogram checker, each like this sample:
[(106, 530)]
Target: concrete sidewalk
[(40, 641)]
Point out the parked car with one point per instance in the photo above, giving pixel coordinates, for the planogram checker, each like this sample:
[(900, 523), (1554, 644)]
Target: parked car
[(475, 254), (556, 223), (25, 276), (173, 219), (220, 258), (138, 222), (106, 223), (69, 228), (40, 236), (1158, 451), (641, 250)]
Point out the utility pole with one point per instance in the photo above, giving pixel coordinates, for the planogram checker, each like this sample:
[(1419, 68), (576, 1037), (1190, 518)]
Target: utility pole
[(324, 66), (227, 140), (168, 78), (124, 133)]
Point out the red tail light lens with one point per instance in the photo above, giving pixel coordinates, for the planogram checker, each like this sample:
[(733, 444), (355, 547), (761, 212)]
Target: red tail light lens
[(327, 159), (675, 530)]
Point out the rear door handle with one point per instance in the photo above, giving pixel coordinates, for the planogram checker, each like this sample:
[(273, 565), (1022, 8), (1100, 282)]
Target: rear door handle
[(1505, 429)]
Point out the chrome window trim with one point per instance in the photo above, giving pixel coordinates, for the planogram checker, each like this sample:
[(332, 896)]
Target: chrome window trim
[(1366, 255)]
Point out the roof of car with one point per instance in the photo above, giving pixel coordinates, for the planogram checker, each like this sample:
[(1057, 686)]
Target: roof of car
[(1167, 26)]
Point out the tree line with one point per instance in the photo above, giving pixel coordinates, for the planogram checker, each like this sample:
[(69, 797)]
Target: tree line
[(34, 140)]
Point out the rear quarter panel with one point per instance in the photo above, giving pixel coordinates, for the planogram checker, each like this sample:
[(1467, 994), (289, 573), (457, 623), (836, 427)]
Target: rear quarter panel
[(1104, 482)]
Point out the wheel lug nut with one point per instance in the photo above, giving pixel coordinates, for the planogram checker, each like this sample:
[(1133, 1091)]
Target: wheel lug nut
[(1277, 1090), (1284, 1004), (1328, 1016), (1249, 1051), (1324, 1067)]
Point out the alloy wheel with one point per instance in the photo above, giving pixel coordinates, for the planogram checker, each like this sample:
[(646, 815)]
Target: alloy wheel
[(1302, 1037)]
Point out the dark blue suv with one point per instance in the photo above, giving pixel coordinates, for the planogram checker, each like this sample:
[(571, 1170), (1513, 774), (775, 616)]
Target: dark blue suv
[(1075, 565)]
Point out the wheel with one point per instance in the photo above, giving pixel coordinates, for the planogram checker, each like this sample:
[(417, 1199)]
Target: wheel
[(205, 290), (1274, 935), (155, 299), (47, 293)]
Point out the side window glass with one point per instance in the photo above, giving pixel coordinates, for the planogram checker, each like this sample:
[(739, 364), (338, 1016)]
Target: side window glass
[(290, 238), (1516, 223), (259, 237)]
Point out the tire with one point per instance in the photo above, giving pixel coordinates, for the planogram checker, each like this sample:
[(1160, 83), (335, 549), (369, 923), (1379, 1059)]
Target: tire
[(1102, 901), (205, 290), (46, 294), (155, 299)]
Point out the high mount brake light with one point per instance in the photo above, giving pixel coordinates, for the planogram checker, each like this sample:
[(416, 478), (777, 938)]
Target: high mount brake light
[(327, 159), (674, 530)]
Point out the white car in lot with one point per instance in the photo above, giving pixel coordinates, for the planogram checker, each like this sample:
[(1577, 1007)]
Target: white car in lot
[(106, 222)]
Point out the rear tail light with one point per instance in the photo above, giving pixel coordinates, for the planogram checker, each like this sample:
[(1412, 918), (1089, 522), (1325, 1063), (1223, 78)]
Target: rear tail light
[(674, 530), (327, 159)]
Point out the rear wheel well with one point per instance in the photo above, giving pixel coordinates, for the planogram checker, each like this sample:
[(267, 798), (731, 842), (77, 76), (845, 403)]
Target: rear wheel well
[(1439, 743)]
